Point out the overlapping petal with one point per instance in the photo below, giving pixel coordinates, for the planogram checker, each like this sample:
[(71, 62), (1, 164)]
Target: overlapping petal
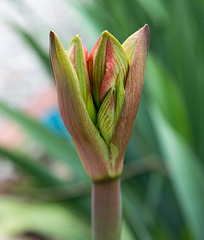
[(78, 56), (98, 98), (108, 68), (133, 90), (91, 148), (105, 62), (106, 116)]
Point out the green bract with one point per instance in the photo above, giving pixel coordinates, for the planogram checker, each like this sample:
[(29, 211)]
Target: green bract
[(98, 96)]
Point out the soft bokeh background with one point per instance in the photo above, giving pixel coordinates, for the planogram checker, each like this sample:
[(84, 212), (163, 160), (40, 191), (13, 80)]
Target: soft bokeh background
[(45, 193)]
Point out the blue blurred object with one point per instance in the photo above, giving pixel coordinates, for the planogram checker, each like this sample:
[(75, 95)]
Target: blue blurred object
[(53, 121)]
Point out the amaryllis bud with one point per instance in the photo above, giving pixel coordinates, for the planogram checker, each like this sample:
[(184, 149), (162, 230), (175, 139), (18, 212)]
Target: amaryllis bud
[(108, 68), (101, 125), (136, 48), (78, 56)]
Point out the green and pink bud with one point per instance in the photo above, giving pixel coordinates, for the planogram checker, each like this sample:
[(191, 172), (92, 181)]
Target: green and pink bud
[(108, 69), (98, 96)]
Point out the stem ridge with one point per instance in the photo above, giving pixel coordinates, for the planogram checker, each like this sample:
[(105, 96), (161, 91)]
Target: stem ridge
[(106, 210)]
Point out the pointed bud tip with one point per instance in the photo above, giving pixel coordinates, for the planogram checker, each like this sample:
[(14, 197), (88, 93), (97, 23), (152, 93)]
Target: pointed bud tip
[(76, 38), (105, 34), (146, 30), (146, 25), (51, 36), (52, 44)]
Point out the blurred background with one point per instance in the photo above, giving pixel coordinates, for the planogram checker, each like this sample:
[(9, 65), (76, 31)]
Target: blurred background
[(44, 191)]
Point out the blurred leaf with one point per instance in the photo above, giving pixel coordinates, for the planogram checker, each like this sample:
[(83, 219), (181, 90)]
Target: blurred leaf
[(154, 190), (183, 41), (126, 232), (144, 165), (33, 43), (133, 216), (111, 15), (156, 11), (40, 172), (143, 135), (51, 220), (166, 93), (185, 171), (55, 145)]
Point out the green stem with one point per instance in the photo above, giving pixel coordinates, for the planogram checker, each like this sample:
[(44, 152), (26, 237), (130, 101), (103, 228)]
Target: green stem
[(106, 210)]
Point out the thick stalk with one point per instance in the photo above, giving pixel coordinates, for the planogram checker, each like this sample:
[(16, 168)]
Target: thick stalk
[(106, 210)]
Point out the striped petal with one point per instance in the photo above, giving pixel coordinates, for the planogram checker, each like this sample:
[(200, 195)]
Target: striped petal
[(130, 43), (133, 91), (105, 62), (85, 135), (106, 116), (108, 68), (78, 56)]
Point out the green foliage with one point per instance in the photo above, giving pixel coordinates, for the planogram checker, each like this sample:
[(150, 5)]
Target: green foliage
[(32, 167), (47, 219), (186, 174), (55, 145)]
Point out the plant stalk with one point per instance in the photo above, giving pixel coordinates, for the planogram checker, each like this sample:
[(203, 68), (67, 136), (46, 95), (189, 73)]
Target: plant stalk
[(106, 210)]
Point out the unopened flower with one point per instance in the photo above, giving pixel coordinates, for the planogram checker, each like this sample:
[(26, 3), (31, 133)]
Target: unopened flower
[(98, 96)]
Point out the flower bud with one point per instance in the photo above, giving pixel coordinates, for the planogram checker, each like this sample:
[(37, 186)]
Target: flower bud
[(85, 135), (136, 48), (98, 98), (78, 56), (108, 68)]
